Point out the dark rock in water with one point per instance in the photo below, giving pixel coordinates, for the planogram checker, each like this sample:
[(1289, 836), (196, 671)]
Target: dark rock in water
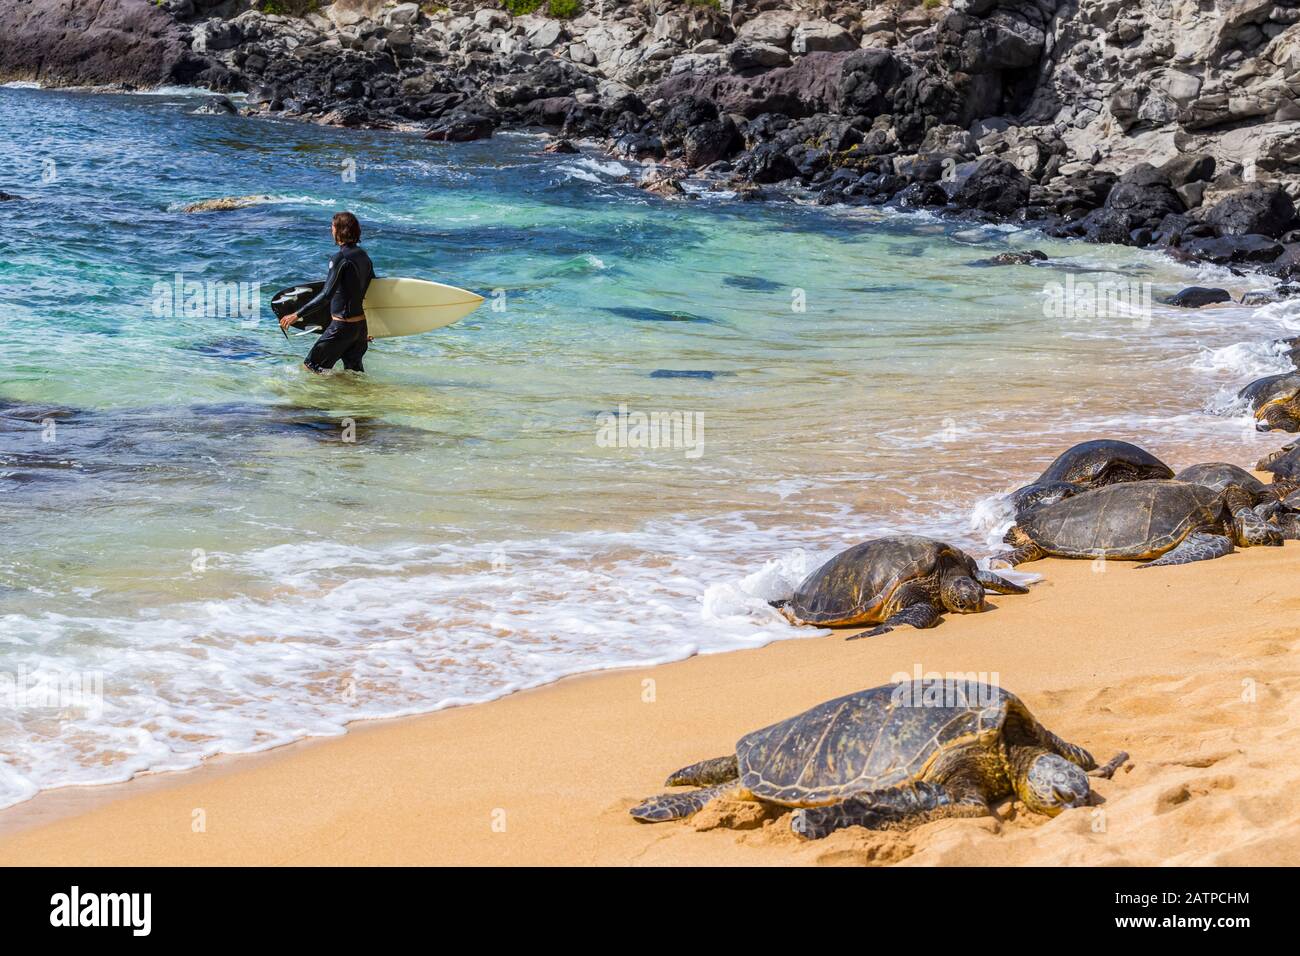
[(1232, 249), (921, 196), (460, 128), (1141, 199), (8, 197), (1013, 258), (560, 146), (655, 315), (704, 136), (1197, 296), (1262, 209), (217, 106), (681, 373), (752, 283), (995, 186), (234, 350), (767, 163)]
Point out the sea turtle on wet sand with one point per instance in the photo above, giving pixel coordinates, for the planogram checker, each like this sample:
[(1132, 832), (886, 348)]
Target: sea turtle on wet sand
[(1160, 522), (893, 757), (1276, 401), (1089, 464), (1219, 475), (1283, 463), (903, 579)]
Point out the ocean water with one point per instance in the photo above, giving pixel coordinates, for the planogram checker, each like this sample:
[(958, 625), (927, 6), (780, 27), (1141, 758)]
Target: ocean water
[(209, 550)]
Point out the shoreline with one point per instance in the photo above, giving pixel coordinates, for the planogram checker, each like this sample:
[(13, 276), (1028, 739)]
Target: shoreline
[(1159, 664)]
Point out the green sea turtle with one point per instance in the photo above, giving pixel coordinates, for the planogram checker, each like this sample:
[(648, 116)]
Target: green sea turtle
[(1219, 475), (893, 757), (903, 579), (226, 203), (1161, 522), (1087, 465), (1284, 464), (1276, 401)]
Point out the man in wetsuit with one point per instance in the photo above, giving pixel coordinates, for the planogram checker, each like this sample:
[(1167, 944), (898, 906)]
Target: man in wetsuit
[(349, 277)]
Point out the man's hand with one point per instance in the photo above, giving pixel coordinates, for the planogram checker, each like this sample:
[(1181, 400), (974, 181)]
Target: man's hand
[(289, 320)]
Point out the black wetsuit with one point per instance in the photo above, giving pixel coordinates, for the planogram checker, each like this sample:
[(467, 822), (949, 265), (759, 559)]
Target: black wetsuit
[(345, 290)]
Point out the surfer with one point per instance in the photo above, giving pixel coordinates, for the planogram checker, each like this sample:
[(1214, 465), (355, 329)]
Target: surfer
[(345, 288)]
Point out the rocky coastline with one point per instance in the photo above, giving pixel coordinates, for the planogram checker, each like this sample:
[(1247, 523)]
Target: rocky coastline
[(1165, 123)]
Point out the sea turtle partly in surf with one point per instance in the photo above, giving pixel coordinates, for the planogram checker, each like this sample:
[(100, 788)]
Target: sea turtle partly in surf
[(1087, 465), (226, 203), (903, 579), (893, 757), (1160, 522), (1276, 401)]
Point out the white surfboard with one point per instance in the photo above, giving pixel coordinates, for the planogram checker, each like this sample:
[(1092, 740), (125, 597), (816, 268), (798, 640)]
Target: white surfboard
[(410, 306)]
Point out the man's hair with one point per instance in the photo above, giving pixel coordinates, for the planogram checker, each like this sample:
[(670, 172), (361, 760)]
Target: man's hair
[(347, 227)]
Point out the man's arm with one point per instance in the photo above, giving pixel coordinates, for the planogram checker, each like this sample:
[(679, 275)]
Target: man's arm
[(331, 282)]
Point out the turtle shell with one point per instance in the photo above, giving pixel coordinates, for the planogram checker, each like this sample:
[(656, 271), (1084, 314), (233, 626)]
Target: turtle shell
[(1270, 389), (855, 586), (1283, 463), (1104, 462), (877, 739), (1219, 475), (1133, 520)]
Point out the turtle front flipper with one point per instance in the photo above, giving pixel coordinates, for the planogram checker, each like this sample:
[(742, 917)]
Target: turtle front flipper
[(917, 615), (896, 809), (705, 773), (675, 806), (998, 584), (1197, 546)]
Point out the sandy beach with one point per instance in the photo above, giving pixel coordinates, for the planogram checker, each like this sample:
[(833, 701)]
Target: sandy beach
[(1193, 670)]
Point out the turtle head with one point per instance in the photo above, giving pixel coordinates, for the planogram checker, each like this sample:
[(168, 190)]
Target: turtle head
[(1048, 783), (961, 593), (1253, 531)]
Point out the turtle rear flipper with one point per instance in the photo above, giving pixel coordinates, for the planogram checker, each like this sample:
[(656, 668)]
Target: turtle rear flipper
[(675, 806), (917, 615), (1020, 555), (1197, 546), (998, 584), (1106, 771)]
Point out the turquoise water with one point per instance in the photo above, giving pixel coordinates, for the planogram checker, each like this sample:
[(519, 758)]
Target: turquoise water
[(233, 554)]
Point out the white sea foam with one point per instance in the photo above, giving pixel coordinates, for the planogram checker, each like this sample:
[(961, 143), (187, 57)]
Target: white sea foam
[(592, 170), (1243, 360), (411, 629)]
